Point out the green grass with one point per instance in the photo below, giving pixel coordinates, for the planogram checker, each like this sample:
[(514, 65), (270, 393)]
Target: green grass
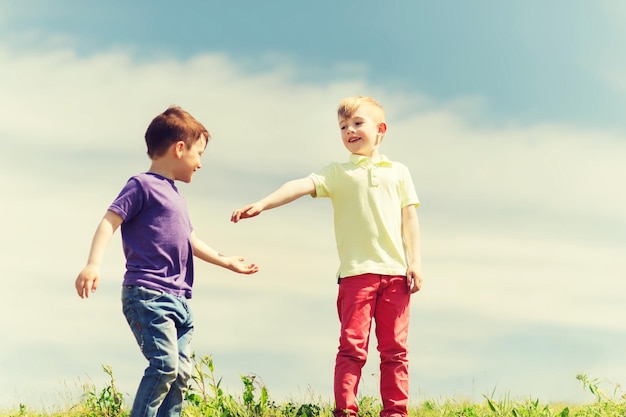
[(206, 398)]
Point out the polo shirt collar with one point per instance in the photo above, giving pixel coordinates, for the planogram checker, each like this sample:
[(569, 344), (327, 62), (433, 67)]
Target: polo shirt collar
[(366, 160)]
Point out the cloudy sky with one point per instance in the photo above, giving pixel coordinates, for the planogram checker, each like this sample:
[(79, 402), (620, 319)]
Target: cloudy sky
[(510, 116)]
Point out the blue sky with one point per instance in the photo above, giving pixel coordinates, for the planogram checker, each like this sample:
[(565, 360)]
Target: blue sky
[(509, 115), (531, 61)]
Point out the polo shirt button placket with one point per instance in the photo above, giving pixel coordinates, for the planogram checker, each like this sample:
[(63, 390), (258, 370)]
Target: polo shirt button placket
[(373, 176)]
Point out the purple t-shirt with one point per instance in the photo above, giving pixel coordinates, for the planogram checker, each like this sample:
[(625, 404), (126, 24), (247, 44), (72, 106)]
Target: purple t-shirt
[(155, 235)]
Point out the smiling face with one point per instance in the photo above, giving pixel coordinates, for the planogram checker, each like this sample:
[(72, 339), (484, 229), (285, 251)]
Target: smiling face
[(189, 158), (361, 133)]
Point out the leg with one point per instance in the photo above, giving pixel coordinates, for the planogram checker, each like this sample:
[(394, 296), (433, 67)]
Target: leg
[(173, 403), (355, 306), (154, 318), (392, 326)]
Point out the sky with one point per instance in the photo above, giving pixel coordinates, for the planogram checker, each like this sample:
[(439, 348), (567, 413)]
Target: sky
[(509, 115)]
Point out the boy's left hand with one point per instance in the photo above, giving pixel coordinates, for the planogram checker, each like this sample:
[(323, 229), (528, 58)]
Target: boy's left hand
[(236, 264), (413, 280)]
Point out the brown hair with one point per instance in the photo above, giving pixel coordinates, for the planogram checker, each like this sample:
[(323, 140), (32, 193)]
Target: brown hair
[(171, 126), (349, 105)]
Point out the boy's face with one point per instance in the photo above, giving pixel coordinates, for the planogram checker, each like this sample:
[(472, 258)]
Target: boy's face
[(360, 133), (190, 159)]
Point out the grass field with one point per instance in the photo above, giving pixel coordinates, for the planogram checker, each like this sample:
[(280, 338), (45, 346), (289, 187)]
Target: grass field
[(206, 397)]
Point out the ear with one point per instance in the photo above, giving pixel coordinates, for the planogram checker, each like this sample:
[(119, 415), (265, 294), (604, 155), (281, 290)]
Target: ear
[(382, 128), (178, 148)]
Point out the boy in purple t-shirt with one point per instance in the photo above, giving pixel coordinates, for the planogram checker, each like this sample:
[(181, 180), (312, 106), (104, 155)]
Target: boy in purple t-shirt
[(159, 245)]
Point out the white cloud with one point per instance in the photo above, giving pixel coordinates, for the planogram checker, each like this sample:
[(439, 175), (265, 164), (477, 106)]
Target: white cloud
[(519, 222)]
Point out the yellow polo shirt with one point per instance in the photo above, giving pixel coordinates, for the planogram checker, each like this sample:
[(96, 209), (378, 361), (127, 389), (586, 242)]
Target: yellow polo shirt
[(367, 200)]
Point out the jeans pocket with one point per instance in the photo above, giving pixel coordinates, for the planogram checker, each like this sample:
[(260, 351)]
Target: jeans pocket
[(147, 295), (129, 308)]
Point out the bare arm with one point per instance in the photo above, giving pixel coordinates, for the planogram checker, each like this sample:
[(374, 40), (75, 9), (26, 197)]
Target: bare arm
[(286, 193), (411, 237), (87, 280), (235, 263)]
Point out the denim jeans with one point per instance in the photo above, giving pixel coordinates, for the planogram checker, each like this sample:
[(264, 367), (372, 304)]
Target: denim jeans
[(163, 326)]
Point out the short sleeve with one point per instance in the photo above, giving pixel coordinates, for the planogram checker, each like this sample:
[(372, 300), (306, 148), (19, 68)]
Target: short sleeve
[(408, 195), (324, 181), (130, 200)]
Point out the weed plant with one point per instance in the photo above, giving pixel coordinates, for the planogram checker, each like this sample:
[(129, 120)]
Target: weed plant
[(206, 398)]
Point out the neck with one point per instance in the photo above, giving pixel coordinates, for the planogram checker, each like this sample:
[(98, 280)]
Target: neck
[(374, 156), (160, 169)]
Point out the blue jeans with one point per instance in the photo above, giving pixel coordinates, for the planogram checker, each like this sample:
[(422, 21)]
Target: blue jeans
[(163, 325)]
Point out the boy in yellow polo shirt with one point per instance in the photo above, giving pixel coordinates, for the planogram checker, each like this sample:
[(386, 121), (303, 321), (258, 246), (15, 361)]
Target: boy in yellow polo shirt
[(377, 235)]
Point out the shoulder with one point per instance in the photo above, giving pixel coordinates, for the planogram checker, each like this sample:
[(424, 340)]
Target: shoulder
[(400, 171), (134, 182), (332, 170), (325, 177), (391, 162), (140, 186), (148, 180), (138, 180), (337, 166), (143, 178), (399, 166)]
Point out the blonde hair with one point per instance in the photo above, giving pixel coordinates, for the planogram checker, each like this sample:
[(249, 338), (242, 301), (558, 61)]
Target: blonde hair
[(349, 105)]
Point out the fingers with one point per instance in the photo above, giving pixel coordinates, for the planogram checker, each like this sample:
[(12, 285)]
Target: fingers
[(242, 268), (417, 284), (413, 282), (248, 269), (244, 213), (239, 214), (85, 285), (82, 289), (94, 286)]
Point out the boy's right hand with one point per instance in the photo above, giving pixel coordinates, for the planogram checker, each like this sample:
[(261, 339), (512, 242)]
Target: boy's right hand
[(246, 212), (87, 281)]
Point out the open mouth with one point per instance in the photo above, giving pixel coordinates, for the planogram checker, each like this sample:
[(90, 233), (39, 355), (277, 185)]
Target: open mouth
[(352, 140)]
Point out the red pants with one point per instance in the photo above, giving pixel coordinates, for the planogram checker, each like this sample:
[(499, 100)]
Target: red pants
[(385, 299)]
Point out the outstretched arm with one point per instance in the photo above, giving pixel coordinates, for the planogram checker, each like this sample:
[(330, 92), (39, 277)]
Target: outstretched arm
[(89, 277), (235, 263), (286, 193), (411, 237)]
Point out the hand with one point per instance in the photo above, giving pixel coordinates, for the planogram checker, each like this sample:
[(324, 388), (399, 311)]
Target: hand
[(87, 281), (236, 264), (251, 210), (413, 280)]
